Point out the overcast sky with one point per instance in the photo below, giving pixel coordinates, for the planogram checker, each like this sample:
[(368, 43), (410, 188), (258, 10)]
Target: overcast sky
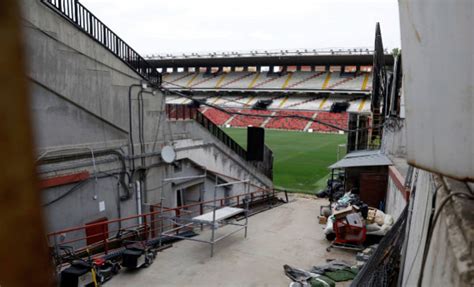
[(177, 26)]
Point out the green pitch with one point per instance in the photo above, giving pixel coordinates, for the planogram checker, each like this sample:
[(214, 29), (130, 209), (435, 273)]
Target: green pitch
[(300, 159)]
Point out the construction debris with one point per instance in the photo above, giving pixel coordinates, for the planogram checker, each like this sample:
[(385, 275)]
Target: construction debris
[(363, 256), (324, 275), (302, 278), (351, 220)]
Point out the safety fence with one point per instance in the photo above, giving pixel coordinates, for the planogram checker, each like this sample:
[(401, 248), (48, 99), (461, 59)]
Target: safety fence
[(107, 237), (83, 19)]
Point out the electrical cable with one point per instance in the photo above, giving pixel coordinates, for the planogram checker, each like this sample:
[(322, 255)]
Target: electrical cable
[(422, 231), (70, 157), (82, 184), (433, 225), (226, 100), (75, 187), (268, 116)]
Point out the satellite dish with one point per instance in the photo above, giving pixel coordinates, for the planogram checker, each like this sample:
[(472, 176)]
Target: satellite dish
[(168, 154)]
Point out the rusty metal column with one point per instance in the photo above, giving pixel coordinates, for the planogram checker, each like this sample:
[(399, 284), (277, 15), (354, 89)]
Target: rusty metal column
[(23, 248)]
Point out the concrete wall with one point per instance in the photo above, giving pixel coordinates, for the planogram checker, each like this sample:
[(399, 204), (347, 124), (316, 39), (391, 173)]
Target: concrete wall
[(394, 145), (450, 260), (396, 197), (205, 146), (79, 94), (394, 141)]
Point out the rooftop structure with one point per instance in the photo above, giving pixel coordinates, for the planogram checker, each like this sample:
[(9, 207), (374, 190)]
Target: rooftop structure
[(357, 56)]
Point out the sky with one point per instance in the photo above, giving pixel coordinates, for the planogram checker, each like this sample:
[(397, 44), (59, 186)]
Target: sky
[(178, 26)]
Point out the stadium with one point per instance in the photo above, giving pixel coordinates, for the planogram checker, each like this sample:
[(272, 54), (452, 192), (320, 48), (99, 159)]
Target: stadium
[(313, 92), (305, 167)]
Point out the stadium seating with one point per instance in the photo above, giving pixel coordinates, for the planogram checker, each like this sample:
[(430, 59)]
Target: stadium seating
[(218, 89), (289, 123), (337, 119), (275, 122), (245, 121), (360, 81), (216, 116), (237, 80)]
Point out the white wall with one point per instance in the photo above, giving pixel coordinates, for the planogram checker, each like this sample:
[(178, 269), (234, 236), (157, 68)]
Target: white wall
[(437, 49)]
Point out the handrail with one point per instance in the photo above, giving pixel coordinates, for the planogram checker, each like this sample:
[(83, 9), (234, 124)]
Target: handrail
[(84, 20), (148, 229), (184, 112), (216, 131)]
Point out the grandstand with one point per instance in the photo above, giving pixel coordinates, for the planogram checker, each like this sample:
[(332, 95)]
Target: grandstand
[(298, 81), (305, 84)]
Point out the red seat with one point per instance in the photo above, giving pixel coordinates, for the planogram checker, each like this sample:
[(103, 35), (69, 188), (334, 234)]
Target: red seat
[(289, 123), (245, 121), (216, 116), (337, 119)]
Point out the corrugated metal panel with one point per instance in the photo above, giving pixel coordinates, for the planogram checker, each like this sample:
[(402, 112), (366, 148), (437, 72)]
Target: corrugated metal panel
[(363, 158), (437, 46)]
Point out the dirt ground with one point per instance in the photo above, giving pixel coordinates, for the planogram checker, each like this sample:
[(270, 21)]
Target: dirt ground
[(288, 234)]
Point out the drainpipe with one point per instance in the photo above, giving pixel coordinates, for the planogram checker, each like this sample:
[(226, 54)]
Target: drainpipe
[(139, 200), (131, 150)]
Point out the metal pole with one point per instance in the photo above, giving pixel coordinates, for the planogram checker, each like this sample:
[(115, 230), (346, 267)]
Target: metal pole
[(161, 211), (139, 200), (357, 134), (247, 208), (214, 218)]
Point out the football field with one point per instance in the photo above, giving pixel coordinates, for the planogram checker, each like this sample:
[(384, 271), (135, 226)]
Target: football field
[(301, 159)]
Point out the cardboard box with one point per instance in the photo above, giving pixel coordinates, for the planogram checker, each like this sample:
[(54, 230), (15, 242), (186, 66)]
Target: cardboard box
[(343, 212), (371, 215), (322, 220)]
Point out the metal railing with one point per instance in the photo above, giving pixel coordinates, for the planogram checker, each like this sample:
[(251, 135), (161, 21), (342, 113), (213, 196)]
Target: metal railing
[(83, 19), (146, 225), (265, 53), (185, 112), (220, 134)]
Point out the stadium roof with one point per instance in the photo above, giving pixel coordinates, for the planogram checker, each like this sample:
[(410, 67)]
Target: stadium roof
[(269, 90), (281, 58), (363, 158)]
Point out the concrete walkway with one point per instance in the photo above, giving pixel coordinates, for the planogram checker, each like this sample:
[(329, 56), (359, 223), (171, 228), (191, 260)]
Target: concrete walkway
[(288, 234)]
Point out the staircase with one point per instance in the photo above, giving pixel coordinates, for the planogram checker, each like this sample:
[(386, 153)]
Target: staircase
[(305, 80), (343, 81), (267, 120), (213, 76), (266, 81), (236, 80), (180, 78), (310, 123)]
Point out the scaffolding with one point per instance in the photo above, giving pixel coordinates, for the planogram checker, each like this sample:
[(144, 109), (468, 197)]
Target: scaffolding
[(218, 217)]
